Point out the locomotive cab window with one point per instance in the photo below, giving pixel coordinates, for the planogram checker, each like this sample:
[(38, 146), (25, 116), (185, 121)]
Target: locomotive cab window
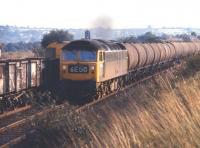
[(69, 55), (87, 56)]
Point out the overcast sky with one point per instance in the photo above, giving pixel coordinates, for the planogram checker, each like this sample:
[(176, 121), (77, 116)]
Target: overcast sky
[(83, 13)]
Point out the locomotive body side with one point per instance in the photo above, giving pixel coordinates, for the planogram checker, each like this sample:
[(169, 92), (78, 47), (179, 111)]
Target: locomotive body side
[(115, 64)]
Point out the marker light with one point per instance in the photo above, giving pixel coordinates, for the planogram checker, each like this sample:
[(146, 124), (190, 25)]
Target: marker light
[(64, 67), (92, 68)]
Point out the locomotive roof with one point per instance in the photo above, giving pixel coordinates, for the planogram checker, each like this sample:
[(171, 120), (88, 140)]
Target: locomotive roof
[(95, 45)]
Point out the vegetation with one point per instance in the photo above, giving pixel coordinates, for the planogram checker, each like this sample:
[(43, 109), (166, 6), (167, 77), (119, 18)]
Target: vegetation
[(147, 37), (20, 46), (184, 37), (193, 34), (14, 34), (56, 35), (162, 112)]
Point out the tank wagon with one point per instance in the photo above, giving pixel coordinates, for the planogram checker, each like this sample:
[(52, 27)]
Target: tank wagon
[(99, 67)]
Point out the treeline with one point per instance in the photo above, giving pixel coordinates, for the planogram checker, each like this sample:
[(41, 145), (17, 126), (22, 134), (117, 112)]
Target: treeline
[(62, 35), (12, 34), (56, 36), (150, 37), (21, 46), (52, 36)]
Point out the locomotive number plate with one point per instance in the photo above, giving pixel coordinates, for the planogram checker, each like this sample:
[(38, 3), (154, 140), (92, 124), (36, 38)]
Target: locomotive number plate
[(78, 69)]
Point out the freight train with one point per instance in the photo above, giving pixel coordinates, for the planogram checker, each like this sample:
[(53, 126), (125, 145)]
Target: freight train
[(89, 69), (98, 67)]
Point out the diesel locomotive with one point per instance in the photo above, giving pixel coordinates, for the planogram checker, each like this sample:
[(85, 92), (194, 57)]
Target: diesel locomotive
[(98, 67)]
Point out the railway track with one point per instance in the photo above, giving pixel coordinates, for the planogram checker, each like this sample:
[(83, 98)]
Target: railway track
[(23, 126), (14, 112), (18, 114), (16, 131)]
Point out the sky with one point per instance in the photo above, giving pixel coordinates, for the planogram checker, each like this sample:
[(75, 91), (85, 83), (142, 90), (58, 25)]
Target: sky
[(84, 13)]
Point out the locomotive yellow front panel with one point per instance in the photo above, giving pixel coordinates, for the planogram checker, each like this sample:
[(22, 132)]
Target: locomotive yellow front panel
[(78, 65), (78, 71)]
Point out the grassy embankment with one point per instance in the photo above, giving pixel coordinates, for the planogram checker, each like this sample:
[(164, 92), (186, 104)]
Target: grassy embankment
[(161, 112)]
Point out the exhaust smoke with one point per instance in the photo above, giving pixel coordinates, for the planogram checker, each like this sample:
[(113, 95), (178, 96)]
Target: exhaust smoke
[(103, 28)]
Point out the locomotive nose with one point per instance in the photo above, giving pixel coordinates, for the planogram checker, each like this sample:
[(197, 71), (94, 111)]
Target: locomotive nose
[(78, 64)]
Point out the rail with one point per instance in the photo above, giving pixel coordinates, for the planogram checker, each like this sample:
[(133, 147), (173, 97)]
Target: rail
[(21, 123)]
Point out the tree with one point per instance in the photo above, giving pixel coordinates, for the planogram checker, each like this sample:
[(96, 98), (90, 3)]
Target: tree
[(130, 39), (56, 36), (184, 37), (193, 34), (164, 36), (149, 37)]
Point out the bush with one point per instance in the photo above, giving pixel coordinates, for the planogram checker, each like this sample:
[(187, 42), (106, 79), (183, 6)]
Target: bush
[(56, 36)]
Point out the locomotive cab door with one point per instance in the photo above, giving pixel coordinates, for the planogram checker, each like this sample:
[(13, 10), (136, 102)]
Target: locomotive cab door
[(101, 60)]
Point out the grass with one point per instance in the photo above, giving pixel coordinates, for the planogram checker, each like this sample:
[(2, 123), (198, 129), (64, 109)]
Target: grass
[(168, 118), (161, 112)]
